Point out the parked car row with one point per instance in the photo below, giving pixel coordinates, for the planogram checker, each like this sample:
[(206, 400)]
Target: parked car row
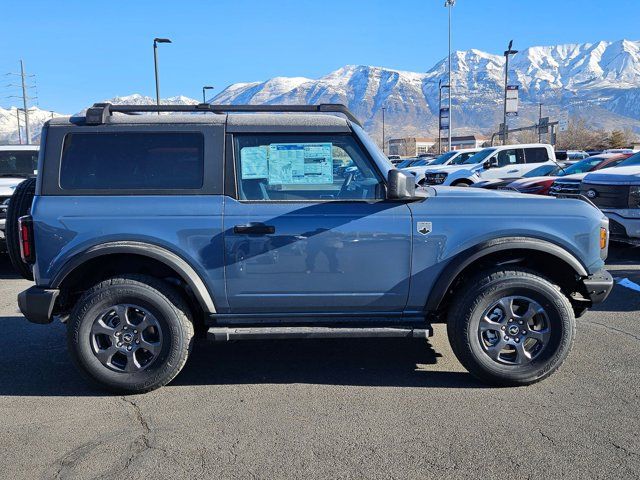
[(610, 180)]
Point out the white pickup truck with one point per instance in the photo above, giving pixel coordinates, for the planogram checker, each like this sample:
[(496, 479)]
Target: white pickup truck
[(507, 161)]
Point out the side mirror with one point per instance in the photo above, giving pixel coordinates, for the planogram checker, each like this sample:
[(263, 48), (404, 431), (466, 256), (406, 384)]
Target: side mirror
[(491, 163), (400, 185)]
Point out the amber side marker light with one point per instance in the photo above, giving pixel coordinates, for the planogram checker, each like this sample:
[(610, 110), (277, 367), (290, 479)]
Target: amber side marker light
[(603, 238)]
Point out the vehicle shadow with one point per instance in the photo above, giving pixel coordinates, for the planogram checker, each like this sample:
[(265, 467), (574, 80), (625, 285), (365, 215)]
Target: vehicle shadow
[(354, 362), (41, 366), (6, 269)]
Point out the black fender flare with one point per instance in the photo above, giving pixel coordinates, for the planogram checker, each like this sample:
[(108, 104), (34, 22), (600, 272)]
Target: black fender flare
[(470, 255), (156, 252)]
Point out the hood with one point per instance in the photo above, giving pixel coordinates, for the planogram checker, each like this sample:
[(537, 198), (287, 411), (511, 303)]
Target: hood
[(531, 181), (479, 192), (9, 184), (452, 168), (617, 176), (576, 177)]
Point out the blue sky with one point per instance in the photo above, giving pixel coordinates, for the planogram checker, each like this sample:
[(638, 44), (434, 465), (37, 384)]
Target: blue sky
[(86, 51)]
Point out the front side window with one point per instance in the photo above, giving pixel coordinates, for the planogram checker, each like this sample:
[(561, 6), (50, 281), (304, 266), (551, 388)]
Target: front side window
[(281, 167), (132, 161), (508, 157)]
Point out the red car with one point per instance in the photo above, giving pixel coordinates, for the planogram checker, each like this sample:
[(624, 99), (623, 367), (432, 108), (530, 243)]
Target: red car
[(541, 185)]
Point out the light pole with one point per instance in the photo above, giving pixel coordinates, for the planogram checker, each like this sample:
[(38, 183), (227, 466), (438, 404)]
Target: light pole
[(449, 4), (204, 98), (508, 52), (156, 41), (383, 150), (440, 87)]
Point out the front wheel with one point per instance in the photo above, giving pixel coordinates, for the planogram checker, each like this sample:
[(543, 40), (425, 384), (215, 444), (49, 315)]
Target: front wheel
[(130, 334), (511, 327)]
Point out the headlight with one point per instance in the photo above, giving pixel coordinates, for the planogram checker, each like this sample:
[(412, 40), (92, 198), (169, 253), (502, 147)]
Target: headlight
[(435, 178), (634, 196)]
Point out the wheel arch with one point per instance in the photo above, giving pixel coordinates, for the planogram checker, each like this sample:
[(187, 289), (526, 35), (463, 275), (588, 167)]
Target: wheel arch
[(150, 253), (564, 268)]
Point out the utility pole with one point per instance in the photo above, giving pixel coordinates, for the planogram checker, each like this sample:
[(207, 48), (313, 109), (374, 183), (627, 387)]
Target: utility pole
[(450, 4), (539, 121), (383, 149), (24, 103), (507, 53), (19, 132)]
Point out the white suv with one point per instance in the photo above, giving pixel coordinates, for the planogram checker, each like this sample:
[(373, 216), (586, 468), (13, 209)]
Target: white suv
[(17, 162), (453, 157), (508, 161)]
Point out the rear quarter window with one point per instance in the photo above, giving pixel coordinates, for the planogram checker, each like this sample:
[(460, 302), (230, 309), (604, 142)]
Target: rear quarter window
[(132, 161)]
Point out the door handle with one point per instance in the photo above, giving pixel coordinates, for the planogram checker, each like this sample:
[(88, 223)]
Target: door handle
[(513, 171), (254, 228)]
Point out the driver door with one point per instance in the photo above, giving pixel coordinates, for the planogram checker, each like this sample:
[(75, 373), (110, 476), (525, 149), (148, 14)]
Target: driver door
[(308, 228), (510, 164)]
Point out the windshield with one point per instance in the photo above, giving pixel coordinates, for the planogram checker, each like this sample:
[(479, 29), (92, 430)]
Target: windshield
[(404, 163), (18, 163), (479, 157), (582, 166), (420, 163), (442, 159), (632, 160), (543, 171)]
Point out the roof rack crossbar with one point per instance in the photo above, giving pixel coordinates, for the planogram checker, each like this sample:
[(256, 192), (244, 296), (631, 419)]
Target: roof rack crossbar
[(99, 112)]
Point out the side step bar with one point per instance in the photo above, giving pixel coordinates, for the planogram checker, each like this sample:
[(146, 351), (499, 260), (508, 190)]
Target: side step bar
[(223, 334)]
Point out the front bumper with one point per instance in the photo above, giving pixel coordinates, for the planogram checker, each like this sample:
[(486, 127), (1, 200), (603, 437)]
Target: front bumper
[(598, 286), (36, 304), (623, 227)]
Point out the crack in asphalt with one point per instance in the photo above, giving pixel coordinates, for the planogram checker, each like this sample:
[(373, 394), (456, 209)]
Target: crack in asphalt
[(614, 329)]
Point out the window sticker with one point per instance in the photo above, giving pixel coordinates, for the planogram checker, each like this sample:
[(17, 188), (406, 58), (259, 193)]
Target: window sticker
[(300, 164), (254, 162)]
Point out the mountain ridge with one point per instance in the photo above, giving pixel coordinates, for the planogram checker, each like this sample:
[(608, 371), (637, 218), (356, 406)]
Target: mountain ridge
[(598, 82)]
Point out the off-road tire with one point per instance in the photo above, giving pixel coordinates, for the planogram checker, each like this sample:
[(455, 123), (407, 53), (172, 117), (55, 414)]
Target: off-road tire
[(479, 293), (169, 308), (19, 205)]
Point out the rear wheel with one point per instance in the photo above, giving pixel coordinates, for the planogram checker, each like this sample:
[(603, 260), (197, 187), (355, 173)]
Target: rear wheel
[(19, 205), (511, 327), (130, 334)]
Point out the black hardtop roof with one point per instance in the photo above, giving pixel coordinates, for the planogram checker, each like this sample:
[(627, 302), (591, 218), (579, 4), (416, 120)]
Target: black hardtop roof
[(106, 113)]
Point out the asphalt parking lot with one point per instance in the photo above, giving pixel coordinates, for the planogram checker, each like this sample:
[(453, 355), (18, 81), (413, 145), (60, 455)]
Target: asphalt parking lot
[(327, 409)]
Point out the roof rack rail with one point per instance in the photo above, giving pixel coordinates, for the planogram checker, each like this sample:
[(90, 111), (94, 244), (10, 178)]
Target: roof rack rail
[(100, 112)]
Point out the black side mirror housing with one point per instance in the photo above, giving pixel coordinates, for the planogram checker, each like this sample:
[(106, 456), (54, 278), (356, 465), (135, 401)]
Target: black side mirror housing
[(491, 163), (400, 185)]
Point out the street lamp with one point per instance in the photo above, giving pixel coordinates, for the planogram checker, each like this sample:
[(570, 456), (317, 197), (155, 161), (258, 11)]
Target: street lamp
[(204, 98), (383, 109), (508, 52), (156, 41), (449, 4)]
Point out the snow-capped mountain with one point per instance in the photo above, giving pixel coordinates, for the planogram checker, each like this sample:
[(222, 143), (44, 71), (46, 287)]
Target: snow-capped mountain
[(599, 82), (9, 124), (37, 117)]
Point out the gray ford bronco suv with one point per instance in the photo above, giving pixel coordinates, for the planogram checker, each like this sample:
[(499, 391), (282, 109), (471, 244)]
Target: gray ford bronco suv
[(234, 222)]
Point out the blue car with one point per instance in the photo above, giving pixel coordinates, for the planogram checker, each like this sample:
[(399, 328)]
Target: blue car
[(144, 231)]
